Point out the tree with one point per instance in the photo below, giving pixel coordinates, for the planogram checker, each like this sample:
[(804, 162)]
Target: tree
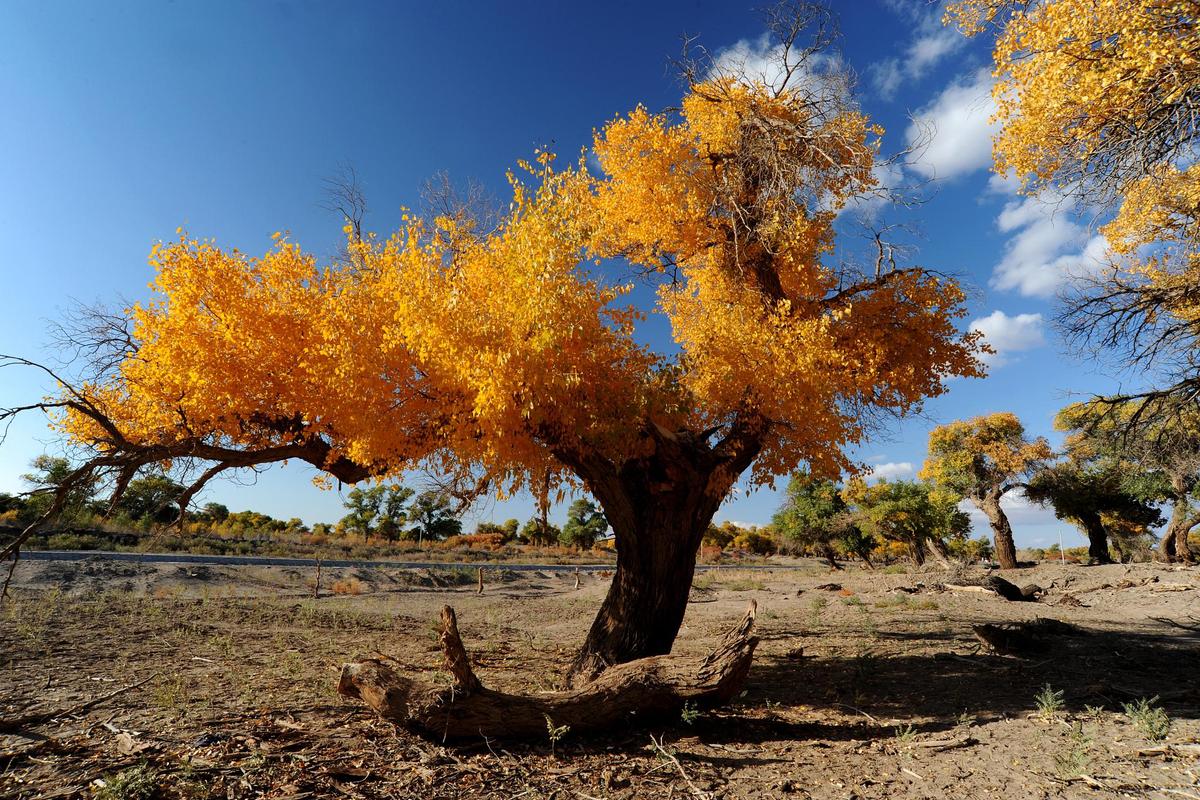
[(506, 356), (1085, 494), (585, 523), (982, 459), (363, 505), (152, 498), (393, 511), (1096, 100), (1158, 454), (910, 512), (214, 512), (540, 532), (815, 515), (432, 511), (51, 476)]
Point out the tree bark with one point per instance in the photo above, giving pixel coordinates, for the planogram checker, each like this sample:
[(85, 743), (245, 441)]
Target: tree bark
[(656, 559), (1174, 545), (1006, 550), (1097, 539), (631, 693)]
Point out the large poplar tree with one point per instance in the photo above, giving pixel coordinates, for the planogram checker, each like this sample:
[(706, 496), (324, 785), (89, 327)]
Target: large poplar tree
[(504, 356)]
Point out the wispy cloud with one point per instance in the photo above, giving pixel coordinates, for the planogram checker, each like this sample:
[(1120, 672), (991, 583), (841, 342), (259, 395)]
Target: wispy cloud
[(953, 133), (931, 42)]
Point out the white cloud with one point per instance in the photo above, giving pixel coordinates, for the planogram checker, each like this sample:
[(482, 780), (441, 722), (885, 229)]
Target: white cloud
[(958, 127), (762, 60), (1048, 248), (932, 42), (890, 471), (1010, 334)]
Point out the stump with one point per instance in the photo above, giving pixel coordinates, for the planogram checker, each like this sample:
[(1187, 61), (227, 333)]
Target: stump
[(622, 695)]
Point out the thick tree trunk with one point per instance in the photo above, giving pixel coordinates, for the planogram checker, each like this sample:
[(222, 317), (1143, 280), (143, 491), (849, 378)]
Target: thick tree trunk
[(636, 692), (1006, 550), (645, 604), (1174, 545), (1097, 539), (830, 556)]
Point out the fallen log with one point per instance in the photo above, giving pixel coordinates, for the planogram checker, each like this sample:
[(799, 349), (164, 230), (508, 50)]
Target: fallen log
[(624, 694)]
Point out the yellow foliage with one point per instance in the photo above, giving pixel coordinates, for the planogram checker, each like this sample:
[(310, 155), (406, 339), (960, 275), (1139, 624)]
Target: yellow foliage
[(975, 456), (512, 351)]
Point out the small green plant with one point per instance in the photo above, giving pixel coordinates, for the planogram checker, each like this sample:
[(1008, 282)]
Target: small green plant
[(965, 720), (689, 714), (135, 783), (555, 732), (1075, 761), (1152, 721), (853, 601), (1094, 713), (1049, 702), (905, 735)]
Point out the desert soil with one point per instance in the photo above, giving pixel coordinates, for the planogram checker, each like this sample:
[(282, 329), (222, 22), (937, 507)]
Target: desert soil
[(863, 691)]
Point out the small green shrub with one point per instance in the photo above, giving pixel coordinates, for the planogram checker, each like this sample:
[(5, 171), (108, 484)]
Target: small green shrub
[(1152, 721)]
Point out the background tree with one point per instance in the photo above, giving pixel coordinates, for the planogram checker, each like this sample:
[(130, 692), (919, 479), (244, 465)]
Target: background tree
[(363, 505), (1085, 494), (982, 459), (152, 498), (815, 516), (432, 513), (585, 523), (910, 512), (1162, 454), (538, 531), (393, 511), (505, 356), (1097, 100), (51, 475), (214, 512)]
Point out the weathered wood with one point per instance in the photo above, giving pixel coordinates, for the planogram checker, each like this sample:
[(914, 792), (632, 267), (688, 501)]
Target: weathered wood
[(624, 694)]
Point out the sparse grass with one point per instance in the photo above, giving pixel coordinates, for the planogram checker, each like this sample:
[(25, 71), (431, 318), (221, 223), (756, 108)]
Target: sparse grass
[(815, 608), (1076, 760), (1049, 702), (172, 694), (895, 569), (1151, 721), (136, 783), (853, 601), (351, 586)]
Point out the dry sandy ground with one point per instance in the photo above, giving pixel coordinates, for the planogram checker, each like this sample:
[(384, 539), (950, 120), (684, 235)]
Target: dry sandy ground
[(867, 692)]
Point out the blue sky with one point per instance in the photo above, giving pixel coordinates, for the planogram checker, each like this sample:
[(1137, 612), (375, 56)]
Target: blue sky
[(121, 122)]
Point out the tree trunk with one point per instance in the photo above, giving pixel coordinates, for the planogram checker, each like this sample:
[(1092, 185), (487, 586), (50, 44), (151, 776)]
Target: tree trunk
[(1006, 550), (636, 692), (830, 556), (643, 610), (659, 503), (1097, 539)]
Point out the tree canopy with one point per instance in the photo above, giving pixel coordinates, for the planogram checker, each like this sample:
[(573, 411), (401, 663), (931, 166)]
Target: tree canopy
[(1096, 99)]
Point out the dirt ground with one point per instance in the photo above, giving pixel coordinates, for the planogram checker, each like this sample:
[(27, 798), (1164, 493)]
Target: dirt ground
[(863, 691)]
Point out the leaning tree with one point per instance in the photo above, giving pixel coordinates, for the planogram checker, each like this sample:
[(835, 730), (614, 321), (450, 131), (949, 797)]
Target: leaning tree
[(506, 355), (1160, 451), (983, 459)]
